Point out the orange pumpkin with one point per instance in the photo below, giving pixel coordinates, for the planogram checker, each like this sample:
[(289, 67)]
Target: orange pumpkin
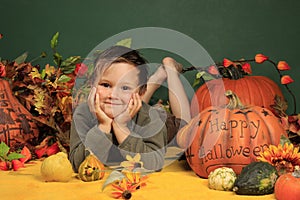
[(16, 124), (252, 90), (287, 186), (228, 136)]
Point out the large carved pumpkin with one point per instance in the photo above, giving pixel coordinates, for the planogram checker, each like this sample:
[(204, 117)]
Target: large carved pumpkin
[(252, 90), (16, 124), (230, 136)]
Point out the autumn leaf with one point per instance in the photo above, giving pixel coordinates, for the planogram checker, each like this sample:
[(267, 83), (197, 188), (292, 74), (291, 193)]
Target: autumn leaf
[(49, 70), (35, 73)]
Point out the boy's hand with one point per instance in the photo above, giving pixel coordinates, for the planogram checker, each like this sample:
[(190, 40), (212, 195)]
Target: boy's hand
[(94, 106), (133, 107)]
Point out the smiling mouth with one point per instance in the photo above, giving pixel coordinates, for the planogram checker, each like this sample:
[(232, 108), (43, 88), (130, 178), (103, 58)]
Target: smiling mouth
[(113, 104)]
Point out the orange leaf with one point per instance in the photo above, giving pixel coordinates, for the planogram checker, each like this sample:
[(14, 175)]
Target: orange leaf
[(2, 70)]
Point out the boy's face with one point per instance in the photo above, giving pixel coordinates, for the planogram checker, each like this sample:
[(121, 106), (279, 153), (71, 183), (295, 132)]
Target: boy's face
[(116, 86)]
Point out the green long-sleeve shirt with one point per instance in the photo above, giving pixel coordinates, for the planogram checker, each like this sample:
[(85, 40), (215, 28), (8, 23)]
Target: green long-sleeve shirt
[(149, 137)]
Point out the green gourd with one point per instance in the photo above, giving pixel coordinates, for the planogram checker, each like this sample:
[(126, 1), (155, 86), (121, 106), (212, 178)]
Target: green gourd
[(257, 178)]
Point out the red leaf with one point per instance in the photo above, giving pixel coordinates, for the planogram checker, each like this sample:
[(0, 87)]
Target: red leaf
[(41, 151), (2, 70), (286, 79), (53, 149), (16, 164), (26, 152)]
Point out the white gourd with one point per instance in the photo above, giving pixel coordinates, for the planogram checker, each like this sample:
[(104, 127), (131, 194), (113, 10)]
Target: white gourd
[(222, 178)]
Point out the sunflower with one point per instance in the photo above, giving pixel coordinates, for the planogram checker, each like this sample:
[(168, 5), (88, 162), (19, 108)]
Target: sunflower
[(284, 158)]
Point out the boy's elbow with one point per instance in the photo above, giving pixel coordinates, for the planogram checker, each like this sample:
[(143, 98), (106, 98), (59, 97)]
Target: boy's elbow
[(155, 163)]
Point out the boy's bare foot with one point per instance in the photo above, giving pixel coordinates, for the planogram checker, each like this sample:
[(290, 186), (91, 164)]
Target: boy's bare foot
[(159, 75), (170, 63)]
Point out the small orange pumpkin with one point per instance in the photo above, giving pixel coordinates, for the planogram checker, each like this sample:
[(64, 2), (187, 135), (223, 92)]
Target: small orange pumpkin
[(16, 123), (287, 186), (91, 169), (228, 136)]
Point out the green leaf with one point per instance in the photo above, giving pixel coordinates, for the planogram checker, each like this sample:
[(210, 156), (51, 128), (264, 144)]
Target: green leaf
[(14, 156), (57, 58), (3, 149), (43, 73), (21, 58), (284, 140), (114, 176), (204, 75), (70, 61), (125, 42), (54, 40), (64, 78), (196, 82), (68, 69)]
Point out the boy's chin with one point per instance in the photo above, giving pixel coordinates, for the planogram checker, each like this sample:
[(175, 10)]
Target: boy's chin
[(114, 114)]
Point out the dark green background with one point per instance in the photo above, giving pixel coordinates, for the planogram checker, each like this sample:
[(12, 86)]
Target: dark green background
[(231, 28)]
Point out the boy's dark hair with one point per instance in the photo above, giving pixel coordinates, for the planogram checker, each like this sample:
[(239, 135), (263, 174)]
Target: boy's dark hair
[(121, 54)]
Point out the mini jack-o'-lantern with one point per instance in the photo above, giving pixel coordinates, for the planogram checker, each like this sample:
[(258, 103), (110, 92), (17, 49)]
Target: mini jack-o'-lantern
[(16, 124), (229, 136)]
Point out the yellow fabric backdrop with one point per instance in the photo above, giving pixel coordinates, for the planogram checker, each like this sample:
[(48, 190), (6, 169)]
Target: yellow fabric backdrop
[(175, 181)]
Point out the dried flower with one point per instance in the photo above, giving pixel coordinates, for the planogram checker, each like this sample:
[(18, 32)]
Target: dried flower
[(80, 69), (282, 65), (291, 123), (260, 58), (213, 70), (286, 79), (227, 62), (284, 158), (247, 68)]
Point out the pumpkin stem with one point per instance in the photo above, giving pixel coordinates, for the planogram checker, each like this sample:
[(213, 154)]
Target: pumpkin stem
[(234, 101), (296, 172)]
